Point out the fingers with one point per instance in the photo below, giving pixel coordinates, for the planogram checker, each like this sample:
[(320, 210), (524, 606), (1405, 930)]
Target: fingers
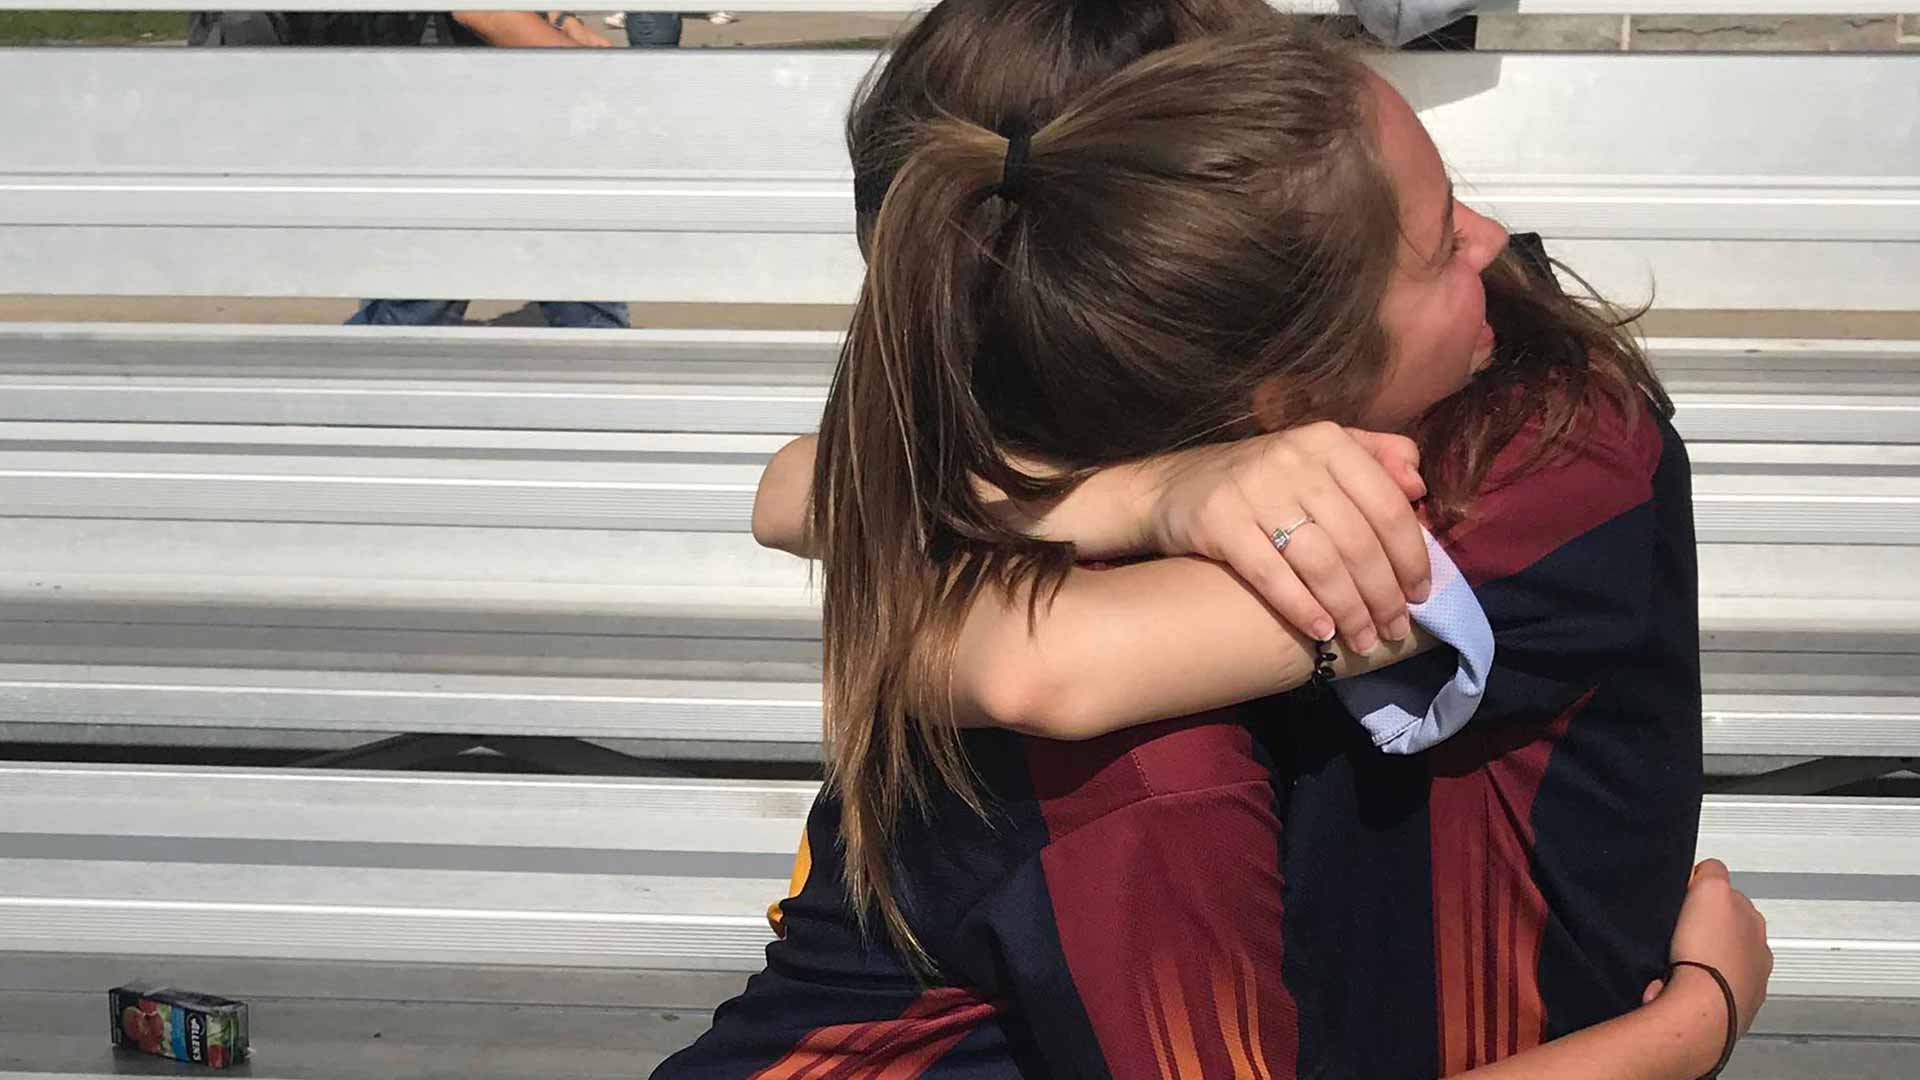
[(1351, 572), (1652, 991), (1709, 869), (1396, 454), (1366, 564), (1322, 569), (1391, 519), (1251, 554)]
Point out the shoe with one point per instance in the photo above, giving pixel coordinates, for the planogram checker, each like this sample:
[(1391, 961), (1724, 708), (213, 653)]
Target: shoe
[(722, 18), (616, 21)]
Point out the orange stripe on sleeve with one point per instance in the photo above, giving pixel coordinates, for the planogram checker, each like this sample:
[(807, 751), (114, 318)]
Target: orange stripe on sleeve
[(802, 866), (899, 1048)]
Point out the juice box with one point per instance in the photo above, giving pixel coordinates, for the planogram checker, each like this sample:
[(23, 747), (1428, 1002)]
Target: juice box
[(199, 1028)]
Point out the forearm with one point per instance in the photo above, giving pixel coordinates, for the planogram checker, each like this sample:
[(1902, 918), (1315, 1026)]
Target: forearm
[(1102, 517), (1131, 645), (1105, 516), (1677, 1037), (513, 29)]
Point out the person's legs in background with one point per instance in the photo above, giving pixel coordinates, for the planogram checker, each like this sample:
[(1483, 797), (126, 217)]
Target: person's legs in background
[(653, 29), (588, 314), (415, 313), (645, 30)]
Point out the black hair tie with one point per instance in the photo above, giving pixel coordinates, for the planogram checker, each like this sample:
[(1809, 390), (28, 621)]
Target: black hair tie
[(1733, 1011), (1013, 174), (1323, 660)]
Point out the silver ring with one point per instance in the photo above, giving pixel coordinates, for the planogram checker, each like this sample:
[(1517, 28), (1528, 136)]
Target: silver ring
[(1282, 537)]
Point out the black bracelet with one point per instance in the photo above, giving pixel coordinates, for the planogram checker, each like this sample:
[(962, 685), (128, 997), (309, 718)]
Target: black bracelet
[(1323, 658), (1733, 1011)]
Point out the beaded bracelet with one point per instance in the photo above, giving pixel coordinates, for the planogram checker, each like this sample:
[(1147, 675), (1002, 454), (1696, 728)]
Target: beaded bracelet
[(1323, 658)]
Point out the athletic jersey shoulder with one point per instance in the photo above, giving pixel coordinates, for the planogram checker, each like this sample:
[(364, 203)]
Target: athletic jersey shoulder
[(1064, 924), (1531, 504), (1520, 880)]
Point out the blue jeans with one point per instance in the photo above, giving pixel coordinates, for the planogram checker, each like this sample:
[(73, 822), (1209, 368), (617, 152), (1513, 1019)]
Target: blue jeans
[(577, 313), (653, 29)]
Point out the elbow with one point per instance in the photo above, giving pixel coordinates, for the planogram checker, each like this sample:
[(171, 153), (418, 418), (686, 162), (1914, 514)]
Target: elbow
[(764, 532), (1036, 701), (783, 501), (772, 529)]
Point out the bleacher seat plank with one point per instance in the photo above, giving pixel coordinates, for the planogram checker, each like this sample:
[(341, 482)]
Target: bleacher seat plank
[(305, 865), (781, 718), (1736, 499), (666, 814), (684, 922), (1839, 882), (1829, 836), (1737, 192), (433, 381), (69, 450), (340, 628), (171, 483), (63, 701), (1812, 725), (1832, 948), (343, 578), (640, 579)]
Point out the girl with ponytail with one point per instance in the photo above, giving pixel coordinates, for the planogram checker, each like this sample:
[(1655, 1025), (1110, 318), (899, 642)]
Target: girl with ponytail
[(1123, 257)]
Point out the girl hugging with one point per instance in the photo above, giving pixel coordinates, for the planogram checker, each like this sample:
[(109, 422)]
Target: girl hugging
[(1292, 788)]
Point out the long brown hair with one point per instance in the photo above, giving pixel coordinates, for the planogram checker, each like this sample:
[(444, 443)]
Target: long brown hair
[(1203, 214)]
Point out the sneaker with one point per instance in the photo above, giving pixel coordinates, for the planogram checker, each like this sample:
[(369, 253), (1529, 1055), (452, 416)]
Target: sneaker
[(616, 21), (722, 18)]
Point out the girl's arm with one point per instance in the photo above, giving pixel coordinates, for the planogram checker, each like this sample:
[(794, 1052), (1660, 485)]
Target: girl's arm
[(1681, 1029), (1352, 570), (1134, 644), (1677, 1036), (1116, 647)]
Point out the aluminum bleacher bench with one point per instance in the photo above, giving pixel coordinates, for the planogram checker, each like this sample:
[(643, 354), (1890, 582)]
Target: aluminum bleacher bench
[(663, 874), (382, 545), (1810, 645), (395, 876)]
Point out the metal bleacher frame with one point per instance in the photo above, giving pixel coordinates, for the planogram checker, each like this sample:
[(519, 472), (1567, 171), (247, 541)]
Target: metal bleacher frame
[(378, 547)]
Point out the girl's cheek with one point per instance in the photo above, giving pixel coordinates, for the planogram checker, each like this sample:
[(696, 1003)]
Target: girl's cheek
[(1472, 309)]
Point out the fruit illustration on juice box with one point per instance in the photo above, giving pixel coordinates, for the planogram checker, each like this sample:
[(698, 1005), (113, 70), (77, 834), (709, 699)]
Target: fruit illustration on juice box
[(171, 1023), (145, 1025)]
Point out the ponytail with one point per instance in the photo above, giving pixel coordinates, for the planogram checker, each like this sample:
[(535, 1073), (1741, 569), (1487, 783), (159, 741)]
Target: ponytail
[(1202, 220), (908, 538)]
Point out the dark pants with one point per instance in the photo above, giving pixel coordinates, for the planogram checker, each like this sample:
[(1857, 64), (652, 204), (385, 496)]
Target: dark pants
[(653, 29), (577, 313)]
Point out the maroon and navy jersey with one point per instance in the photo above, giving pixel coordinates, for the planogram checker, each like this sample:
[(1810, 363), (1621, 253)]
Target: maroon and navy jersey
[(1520, 881), (1118, 915), (1133, 906)]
